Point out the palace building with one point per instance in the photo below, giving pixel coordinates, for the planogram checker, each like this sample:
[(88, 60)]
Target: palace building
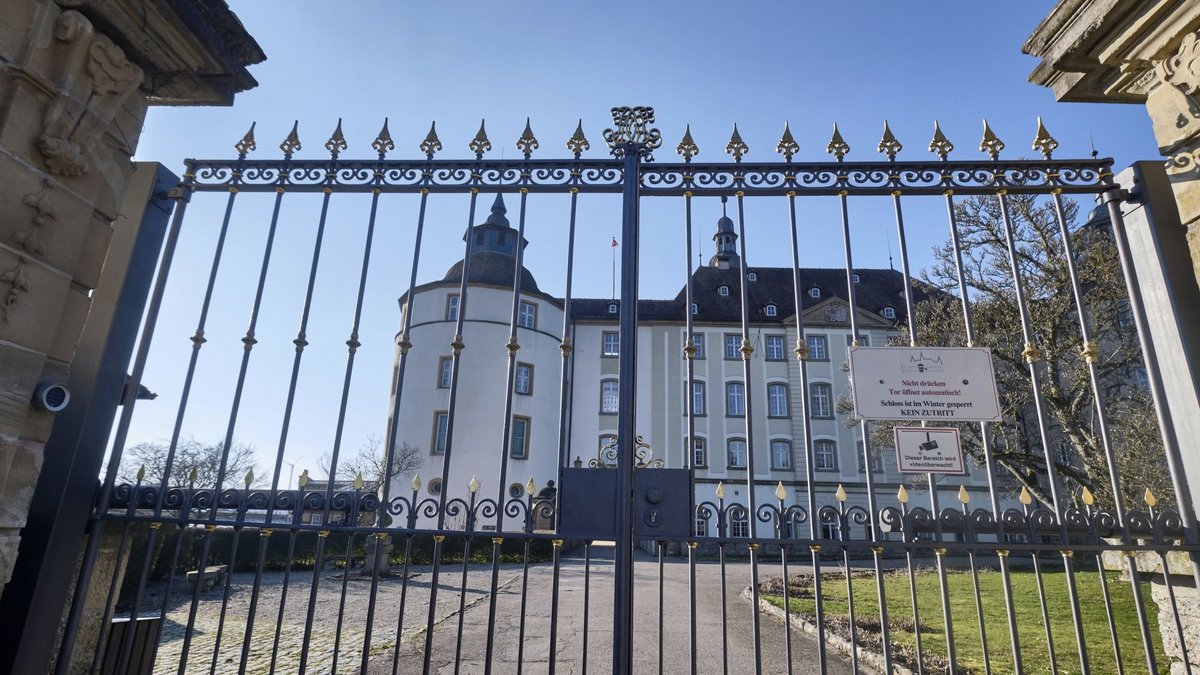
[(585, 409)]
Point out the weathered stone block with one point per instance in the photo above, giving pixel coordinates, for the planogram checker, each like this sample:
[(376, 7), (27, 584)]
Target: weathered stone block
[(31, 298), (23, 470), (70, 325), (41, 219), (19, 373), (1188, 603), (9, 542)]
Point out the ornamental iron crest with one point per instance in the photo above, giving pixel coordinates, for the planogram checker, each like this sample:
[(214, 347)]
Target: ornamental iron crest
[(609, 455), (632, 132)]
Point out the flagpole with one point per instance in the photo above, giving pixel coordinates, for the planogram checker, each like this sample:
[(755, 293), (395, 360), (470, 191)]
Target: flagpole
[(614, 268)]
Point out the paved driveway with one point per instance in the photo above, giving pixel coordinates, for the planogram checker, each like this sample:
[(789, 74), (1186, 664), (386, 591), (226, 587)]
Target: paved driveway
[(714, 655)]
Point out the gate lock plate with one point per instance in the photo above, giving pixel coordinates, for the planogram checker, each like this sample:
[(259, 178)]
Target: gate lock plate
[(662, 503)]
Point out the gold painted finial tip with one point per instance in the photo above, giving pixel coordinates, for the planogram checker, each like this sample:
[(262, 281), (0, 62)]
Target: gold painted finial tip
[(841, 493), (902, 494), (780, 492)]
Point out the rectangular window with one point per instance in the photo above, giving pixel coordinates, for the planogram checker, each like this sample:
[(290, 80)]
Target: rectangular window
[(441, 428), (781, 455), (733, 343), (829, 531), (527, 317), (519, 449), (523, 383), (739, 527), (701, 527), (863, 340), (817, 348), (699, 453), (775, 348), (735, 399), (611, 344), (821, 397), (452, 307), (777, 400), (737, 454), (609, 393), (825, 455), (698, 406), (876, 459), (444, 364)]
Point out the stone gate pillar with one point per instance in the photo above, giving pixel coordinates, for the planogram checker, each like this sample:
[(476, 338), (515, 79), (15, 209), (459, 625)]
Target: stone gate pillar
[(76, 79)]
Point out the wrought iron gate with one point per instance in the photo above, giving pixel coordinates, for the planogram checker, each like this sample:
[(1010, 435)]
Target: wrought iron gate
[(236, 615)]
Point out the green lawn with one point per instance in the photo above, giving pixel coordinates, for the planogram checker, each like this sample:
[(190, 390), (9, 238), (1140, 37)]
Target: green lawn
[(968, 647)]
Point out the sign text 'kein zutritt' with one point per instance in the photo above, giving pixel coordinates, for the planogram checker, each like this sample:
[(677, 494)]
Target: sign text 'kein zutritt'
[(938, 383)]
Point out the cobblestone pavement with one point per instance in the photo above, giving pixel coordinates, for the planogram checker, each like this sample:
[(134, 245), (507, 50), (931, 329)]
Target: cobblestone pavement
[(515, 617), (328, 609)]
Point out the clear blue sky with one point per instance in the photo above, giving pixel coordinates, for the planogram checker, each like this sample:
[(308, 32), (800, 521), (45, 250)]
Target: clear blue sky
[(706, 64)]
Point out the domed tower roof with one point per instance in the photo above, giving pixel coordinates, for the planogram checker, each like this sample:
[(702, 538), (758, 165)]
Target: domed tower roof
[(493, 252)]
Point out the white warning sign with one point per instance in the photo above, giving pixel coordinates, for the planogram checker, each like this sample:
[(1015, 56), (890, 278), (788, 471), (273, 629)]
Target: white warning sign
[(928, 383), (929, 450)]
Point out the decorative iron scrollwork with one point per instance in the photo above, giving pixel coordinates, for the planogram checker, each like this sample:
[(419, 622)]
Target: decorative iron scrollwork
[(608, 455), (632, 132)]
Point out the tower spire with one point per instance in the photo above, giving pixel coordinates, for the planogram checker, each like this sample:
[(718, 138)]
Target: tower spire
[(726, 241)]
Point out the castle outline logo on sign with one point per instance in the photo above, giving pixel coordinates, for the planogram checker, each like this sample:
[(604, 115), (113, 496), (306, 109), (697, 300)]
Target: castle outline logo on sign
[(924, 384)]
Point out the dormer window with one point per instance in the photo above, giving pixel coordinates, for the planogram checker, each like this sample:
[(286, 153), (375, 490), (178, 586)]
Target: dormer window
[(770, 310), (814, 292), (752, 276), (695, 309), (723, 291), (889, 312), (612, 308), (856, 279)]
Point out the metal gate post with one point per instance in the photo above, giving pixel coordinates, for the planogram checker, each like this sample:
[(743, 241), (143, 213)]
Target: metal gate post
[(623, 574), (631, 140)]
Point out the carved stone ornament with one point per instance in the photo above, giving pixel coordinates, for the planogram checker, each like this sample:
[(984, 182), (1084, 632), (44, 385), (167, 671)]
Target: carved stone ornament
[(836, 313), (29, 239), (18, 285), (93, 83), (1180, 74)]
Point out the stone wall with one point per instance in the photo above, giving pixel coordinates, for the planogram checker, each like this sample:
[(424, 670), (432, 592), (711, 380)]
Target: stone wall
[(72, 104)]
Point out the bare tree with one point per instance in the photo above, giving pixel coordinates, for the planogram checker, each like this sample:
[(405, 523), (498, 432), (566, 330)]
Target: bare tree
[(190, 454), (370, 460)]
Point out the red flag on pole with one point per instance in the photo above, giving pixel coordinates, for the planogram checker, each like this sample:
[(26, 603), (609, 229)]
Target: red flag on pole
[(614, 244)]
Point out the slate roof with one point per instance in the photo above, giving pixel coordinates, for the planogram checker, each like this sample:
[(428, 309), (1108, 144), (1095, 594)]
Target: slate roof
[(489, 267), (877, 288)]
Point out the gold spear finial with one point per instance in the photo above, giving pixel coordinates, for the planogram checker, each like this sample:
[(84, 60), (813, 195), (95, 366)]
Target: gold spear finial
[(193, 475), (530, 486), (577, 143), (837, 145), (249, 476), (991, 144), (687, 147), (1087, 496), (247, 144), (1025, 498), (527, 143), (480, 144), (337, 141), (358, 481), (141, 474), (902, 494), (721, 490), (963, 495), (787, 145), (841, 493), (888, 145), (383, 142), (736, 146), (780, 493), (940, 145), (291, 144), (1149, 498), (416, 483), (1043, 142), (303, 479), (473, 486), (432, 143)]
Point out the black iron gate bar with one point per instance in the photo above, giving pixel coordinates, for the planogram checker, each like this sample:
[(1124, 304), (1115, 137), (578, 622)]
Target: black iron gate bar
[(1075, 531)]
